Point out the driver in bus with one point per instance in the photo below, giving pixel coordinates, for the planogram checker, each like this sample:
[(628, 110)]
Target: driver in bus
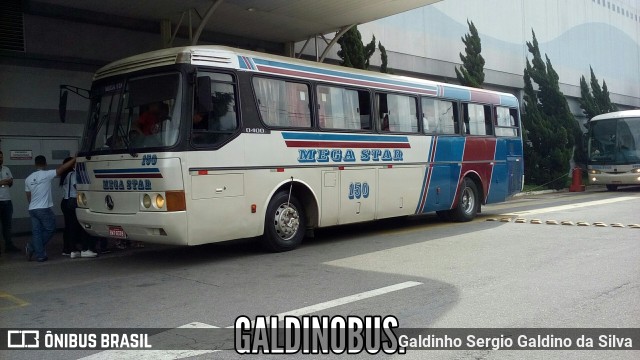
[(149, 121)]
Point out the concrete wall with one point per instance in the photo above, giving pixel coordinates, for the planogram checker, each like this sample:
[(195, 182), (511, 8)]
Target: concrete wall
[(574, 34)]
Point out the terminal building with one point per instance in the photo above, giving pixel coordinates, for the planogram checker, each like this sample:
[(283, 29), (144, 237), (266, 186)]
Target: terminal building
[(48, 43)]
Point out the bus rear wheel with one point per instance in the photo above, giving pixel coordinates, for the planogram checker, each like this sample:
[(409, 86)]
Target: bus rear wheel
[(468, 202), (612, 187), (284, 224)]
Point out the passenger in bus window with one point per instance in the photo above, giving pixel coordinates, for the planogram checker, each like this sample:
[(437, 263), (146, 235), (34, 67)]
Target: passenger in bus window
[(200, 121), (149, 121), (385, 123), (200, 129)]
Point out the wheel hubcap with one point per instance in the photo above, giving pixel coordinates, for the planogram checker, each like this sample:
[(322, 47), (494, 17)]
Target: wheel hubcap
[(286, 221), (468, 200)]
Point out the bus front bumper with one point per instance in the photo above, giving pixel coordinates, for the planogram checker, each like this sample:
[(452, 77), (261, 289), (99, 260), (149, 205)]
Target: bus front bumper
[(153, 227), (629, 178)]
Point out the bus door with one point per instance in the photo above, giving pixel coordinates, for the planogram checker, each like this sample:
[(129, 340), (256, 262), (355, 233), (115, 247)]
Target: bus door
[(357, 195), (515, 164)]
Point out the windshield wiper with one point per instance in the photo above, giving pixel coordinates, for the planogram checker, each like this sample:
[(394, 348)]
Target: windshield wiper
[(94, 133), (125, 139)]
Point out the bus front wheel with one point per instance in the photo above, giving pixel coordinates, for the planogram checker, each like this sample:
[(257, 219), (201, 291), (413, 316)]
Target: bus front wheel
[(612, 187), (284, 224), (468, 202)]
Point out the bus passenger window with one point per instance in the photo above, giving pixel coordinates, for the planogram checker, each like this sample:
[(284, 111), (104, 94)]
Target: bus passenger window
[(476, 117), (218, 125), (505, 123), (398, 113), (429, 115), (283, 103), (340, 108)]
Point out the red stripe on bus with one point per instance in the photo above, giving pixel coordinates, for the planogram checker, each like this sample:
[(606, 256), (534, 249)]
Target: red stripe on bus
[(479, 149)]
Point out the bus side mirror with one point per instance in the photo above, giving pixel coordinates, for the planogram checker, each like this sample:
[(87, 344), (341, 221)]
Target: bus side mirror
[(64, 92), (205, 102), (62, 105)]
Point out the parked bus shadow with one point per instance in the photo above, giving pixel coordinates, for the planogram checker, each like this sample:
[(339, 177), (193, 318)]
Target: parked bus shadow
[(326, 244)]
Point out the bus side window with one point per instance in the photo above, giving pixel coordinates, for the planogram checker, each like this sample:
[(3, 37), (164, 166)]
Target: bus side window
[(465, 119), (399, 113), (506, 123), (488, 124), (476, 118), (283, 103), (432, 119), (342, 108), (219, 124)]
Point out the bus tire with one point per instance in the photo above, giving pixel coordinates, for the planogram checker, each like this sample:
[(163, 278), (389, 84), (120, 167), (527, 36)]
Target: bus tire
[(611, 187), (284, 224), (468, 202)]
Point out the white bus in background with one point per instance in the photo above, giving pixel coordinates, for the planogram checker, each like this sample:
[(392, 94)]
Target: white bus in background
[(250, 144), (614, 149)]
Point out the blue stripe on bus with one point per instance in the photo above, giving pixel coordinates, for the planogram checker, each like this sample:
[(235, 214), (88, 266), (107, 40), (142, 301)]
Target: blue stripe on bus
[(449, 149), (425, 181), (441, 187), (509, 101), (498, 190), (341, 74), (342, 137), (455, 93), (81, 174)]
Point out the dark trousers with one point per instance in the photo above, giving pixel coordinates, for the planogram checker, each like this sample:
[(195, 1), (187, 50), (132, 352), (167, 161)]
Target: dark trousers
[(73, 234), (6, 214), (43, 225)]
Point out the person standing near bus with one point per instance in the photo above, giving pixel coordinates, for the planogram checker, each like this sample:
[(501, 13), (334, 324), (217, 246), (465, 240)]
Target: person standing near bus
[(6, 206), (73, 233), (37, 187)]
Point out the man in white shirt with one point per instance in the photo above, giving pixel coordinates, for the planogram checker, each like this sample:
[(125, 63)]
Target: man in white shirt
[(43, 221), (6, 206)]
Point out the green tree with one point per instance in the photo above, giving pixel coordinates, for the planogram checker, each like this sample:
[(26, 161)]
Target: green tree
[(353, 52), (550, 128), (471, 73), (594, 100), (383, 58)]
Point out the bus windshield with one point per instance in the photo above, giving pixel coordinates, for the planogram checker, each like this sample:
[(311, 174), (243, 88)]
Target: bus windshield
[(132, 115), (614, 142)]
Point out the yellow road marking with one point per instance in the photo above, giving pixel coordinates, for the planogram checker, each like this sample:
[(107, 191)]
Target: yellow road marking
[(17, 302)]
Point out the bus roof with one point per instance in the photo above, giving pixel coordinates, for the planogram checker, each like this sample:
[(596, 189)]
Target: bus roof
[(617, 115), (244, 60)]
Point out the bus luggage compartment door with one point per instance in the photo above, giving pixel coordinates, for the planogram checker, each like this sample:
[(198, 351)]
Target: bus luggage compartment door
[(357, 195)]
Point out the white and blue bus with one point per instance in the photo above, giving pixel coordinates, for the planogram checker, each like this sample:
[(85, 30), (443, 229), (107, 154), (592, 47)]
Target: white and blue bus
[(242, 144), (614, 149)]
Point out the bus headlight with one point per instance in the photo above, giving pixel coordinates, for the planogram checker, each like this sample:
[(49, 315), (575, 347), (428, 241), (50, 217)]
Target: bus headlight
[(159, 201), (636, 171), (146, 201), (594, 171), (166, 201), (81, 199)]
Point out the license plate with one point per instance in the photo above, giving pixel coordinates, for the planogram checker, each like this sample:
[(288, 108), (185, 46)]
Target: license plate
[(117, 232)]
